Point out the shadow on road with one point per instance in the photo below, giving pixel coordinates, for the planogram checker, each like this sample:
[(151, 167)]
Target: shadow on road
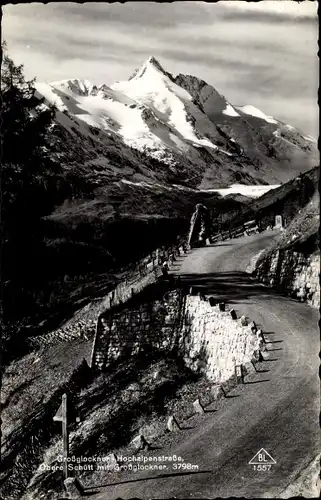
[(161, 476), (260, 371), (257, 381), (229, 286), (85, 494), (219, 245)]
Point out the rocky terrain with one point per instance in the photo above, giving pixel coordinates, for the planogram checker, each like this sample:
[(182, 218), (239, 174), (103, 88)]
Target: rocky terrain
[(296, 200), (292, 263)]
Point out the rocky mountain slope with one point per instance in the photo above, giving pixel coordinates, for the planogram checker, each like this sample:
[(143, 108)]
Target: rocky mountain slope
[(297, 200), (179, 129)]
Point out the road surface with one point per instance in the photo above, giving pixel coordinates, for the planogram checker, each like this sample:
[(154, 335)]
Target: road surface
[(276, 409)]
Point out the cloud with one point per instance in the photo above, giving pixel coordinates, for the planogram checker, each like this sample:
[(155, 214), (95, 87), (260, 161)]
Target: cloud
[(251, 52), (281, 9), (268, 17)]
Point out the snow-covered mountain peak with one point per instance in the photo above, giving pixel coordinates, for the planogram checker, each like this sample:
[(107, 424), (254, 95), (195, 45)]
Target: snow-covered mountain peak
[(152, 61), (182, 120), (151, 66)]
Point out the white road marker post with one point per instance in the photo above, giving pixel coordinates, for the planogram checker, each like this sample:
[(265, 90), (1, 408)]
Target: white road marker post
[(239, 374), (172, 424), (198, 407), (62, 416), (65, 435)]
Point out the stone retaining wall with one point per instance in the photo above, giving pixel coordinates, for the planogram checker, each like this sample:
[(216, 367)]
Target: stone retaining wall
[(145, 327), (292, 273), (209, 340), (212, 342)]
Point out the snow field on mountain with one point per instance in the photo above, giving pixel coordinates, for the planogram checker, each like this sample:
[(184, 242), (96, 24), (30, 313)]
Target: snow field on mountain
[(106, 92), (309, 138), (254, 191), (112, 110), (230, 111), (251, 191), (107, 114), (50, 96), (149, 111), (251, 110)]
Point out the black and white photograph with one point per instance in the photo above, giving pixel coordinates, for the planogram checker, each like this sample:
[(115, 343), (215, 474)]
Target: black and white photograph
[(160, 260)]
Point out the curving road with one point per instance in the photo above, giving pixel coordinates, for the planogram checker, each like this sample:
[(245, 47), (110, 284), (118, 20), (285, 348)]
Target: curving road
[(277, 407)]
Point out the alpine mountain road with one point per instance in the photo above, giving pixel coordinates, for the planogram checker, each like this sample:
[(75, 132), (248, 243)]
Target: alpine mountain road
[(276, 409)]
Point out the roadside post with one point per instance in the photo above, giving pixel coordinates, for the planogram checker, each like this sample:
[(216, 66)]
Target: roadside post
[(65, 435), (65, 414), (62, 416), (212, 301), (239, 374), (233, 314)]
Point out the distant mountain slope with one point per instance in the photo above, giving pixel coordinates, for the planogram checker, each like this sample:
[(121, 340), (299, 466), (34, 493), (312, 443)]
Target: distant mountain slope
[(303, 231), (292, 200), (190, 130)]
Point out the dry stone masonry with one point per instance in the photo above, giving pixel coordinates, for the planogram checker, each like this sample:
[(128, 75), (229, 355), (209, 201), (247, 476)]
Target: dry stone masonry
[(212, 342), (292, 273), (150, 325), (208, 339)]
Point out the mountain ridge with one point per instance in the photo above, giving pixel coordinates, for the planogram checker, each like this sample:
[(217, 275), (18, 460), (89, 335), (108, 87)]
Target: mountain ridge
[(186, 125)]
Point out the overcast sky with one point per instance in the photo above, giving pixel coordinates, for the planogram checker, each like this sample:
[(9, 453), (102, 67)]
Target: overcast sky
[(262, 54)]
